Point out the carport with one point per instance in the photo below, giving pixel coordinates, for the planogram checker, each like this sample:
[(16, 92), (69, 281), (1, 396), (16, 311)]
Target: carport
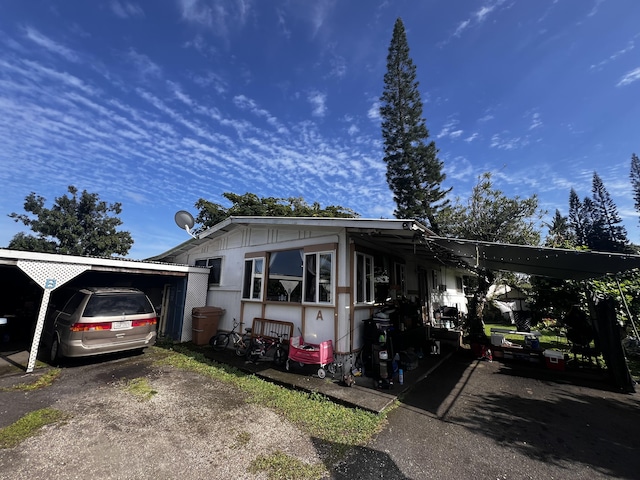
[(29, 280)]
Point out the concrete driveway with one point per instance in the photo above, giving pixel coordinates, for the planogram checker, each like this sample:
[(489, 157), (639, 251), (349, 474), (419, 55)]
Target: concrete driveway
[(479, 420), (468, 419)]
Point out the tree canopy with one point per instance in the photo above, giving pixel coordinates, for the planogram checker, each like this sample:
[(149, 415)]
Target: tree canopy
[(489, 215), (74, 225), (414, 172), (249, 204)]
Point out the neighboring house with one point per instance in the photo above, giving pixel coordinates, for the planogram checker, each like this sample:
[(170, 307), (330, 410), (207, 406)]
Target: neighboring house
[(324, 275), (511, 301)]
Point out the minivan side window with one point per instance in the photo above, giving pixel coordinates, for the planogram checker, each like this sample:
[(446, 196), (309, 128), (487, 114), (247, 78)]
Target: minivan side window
[(73, 303)]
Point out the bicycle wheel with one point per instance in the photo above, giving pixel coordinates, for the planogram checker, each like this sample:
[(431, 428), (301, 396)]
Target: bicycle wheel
[(279, 357), (242, 345), (219, 342)]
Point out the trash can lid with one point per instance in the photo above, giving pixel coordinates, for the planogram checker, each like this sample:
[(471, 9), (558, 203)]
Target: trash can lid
[(206, 309)]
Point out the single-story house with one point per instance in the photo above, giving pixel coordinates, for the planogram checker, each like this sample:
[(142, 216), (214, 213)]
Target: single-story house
[(326, 276)]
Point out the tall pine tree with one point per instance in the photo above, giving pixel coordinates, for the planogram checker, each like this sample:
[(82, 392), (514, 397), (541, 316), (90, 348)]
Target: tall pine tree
[(609, 235), (414, 172), (635, 180)]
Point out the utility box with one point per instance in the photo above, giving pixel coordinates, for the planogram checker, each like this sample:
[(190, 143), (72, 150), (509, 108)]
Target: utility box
[(205, 321)]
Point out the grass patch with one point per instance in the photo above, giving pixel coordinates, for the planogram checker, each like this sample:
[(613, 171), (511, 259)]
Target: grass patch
[(280, 466), (29, 425), (140, 388), (340, 427), (550, 337), (242, 439), (42, 381)]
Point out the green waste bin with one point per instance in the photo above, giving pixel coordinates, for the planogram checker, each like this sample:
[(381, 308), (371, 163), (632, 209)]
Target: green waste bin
[(204, 323)]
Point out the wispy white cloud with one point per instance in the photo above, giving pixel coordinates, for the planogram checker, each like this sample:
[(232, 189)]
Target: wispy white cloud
[(629, 77), (536, 121), (630, 46), (503, 141), (374, 111), (143, 64), (318, 101), (124, 9), (52, 46), (471, 137), (477, 17), (218, 16), (594, 9), (449, 130)]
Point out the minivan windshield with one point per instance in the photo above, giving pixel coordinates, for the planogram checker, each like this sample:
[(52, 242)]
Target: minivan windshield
[(113, 304)]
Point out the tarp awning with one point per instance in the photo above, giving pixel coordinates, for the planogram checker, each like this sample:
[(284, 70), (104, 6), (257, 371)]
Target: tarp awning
[(547, 262)]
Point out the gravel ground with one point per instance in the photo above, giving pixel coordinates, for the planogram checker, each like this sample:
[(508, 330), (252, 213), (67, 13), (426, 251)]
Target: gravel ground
[(468, 419), (192, 428)]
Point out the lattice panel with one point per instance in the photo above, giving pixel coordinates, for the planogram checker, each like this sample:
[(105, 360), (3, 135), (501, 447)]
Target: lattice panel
[(51, 275), (197, 288)]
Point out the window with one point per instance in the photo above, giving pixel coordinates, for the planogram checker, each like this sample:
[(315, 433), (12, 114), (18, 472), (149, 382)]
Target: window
[(284, 282), (459, 284), (215, 265), (253, 274), (318, 277), (364, 278)]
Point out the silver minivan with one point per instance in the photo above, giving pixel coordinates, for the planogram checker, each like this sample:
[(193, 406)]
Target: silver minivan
[(100, 320)]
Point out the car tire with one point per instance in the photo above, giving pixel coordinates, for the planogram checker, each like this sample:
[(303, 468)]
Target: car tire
[(54, 351)]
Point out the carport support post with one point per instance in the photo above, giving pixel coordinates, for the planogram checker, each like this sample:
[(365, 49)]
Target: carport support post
[(49, 276), (38, 333)]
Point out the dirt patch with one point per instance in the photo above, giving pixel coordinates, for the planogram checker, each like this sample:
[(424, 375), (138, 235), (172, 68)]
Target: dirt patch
[(192, 427)]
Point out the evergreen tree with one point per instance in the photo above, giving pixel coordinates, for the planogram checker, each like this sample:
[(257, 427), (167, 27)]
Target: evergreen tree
[(609, 234), (414, 172), (75, 225), (579, 221), (635, 180), (560, 234)]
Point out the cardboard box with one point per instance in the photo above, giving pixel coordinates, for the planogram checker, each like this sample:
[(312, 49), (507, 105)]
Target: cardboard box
[(553, 359)]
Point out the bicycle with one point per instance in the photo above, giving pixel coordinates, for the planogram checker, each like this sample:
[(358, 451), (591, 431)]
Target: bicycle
[(261, 346), (220, 341)]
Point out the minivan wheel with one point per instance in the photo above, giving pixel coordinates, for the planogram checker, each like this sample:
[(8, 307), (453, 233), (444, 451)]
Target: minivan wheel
[(54, 353)]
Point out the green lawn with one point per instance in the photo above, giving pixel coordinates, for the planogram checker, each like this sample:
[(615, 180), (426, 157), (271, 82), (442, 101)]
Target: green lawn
[(552, 338)]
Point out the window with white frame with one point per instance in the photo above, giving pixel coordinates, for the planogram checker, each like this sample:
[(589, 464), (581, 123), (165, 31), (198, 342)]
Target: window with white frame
[(215, 268), (253, 278), (364, 278), (318, 277)]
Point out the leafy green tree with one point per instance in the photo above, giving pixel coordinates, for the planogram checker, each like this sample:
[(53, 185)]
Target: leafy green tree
[(250, 204), (414, 172), (75, 225), (490, 216)]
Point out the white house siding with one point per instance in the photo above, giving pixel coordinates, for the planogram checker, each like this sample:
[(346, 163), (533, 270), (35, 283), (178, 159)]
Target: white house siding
[(341, 321)]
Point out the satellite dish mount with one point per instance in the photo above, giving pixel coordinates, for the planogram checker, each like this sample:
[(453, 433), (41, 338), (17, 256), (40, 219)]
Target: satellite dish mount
[(185, 221)]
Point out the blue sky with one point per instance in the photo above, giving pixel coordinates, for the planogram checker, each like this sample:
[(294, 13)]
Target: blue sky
[(156, 104)]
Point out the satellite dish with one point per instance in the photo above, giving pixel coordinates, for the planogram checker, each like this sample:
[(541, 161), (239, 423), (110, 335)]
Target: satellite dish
[(185, 221)]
